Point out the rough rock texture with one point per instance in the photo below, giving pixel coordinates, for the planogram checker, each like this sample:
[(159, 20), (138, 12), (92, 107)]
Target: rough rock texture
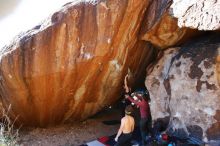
[(198, 14), (160, 28), (73, 64), (184, 86)]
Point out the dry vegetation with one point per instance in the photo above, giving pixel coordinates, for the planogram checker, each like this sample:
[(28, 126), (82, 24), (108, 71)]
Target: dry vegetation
[(8, 133)]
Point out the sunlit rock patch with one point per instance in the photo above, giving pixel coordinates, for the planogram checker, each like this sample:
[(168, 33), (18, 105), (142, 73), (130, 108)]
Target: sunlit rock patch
[(197, 14)]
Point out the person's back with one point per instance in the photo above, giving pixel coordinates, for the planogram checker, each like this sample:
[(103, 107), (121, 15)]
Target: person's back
[(129, 124), (126, 128)]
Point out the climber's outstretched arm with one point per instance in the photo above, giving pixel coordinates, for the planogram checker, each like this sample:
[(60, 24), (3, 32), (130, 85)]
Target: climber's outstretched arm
[(127, 89)]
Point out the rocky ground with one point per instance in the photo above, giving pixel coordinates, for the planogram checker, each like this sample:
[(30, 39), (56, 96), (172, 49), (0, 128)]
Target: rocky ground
[(71, 134)]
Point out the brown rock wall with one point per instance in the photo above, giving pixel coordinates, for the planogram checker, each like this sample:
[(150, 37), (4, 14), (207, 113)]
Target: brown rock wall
[(73, 64)]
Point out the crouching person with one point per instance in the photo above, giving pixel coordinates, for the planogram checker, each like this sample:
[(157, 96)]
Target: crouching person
[(124, 134)]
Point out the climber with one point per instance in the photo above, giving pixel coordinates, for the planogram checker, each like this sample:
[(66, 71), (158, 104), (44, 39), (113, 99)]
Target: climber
[(124, 134), (142, 103)]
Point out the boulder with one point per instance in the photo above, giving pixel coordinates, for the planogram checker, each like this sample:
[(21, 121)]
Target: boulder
[(197, 14), (184, 87), (73, 64)]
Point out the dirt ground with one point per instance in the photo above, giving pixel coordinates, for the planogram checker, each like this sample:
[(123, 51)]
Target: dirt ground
[(71, 134)]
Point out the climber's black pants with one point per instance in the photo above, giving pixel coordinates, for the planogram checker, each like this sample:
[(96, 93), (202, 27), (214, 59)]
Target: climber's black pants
[(124, 139)]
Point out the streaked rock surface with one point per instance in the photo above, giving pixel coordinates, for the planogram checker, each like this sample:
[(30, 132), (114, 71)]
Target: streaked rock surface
[(73, 64)]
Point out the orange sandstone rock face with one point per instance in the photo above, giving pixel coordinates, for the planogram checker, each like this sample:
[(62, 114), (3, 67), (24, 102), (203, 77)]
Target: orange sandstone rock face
[(160, 28), (73, 64), (165, 33)]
